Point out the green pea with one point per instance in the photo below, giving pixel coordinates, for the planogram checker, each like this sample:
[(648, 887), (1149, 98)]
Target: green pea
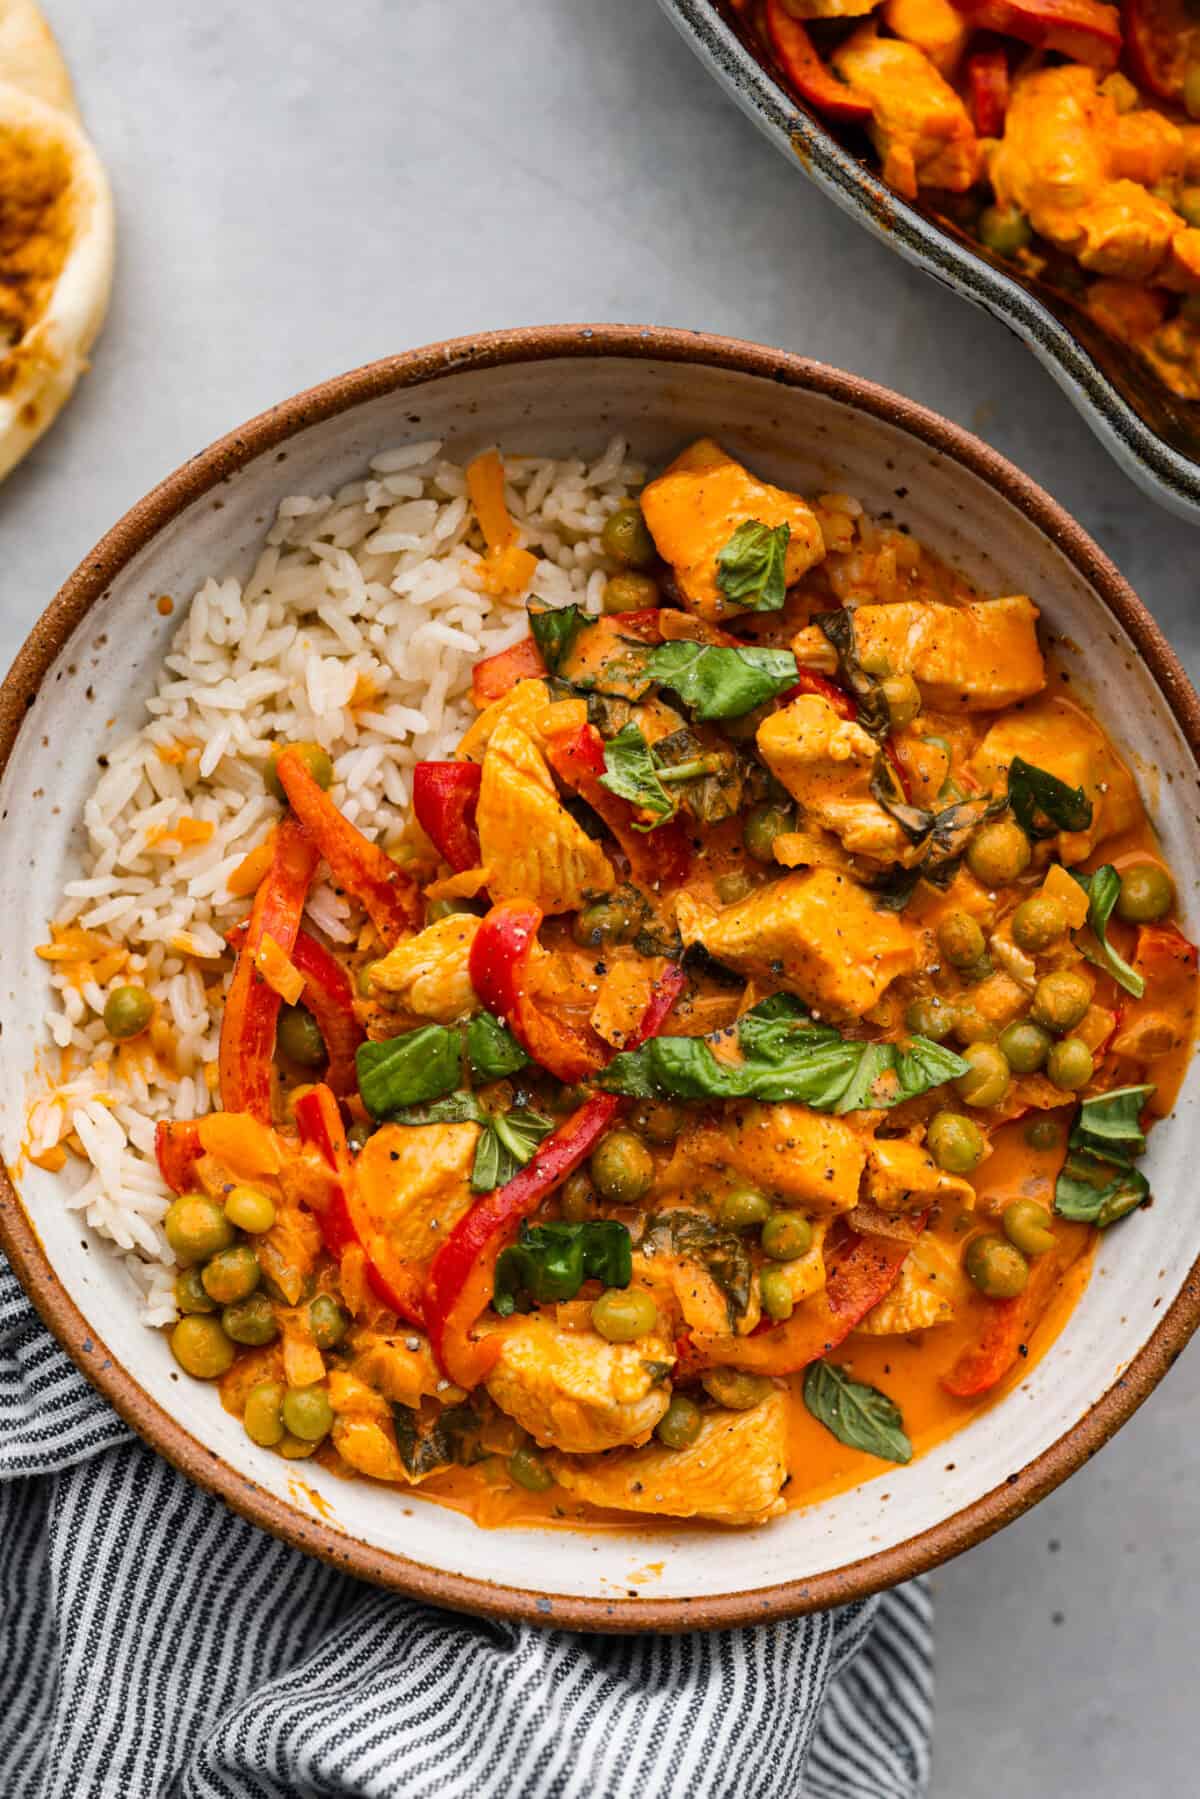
[(250, 1320), (736, 1391), (232, 1274), (577, 1199), (622, 1168), (930, 1017), (960, 940), (263, 1416), (986, 1080), (903, 698), (1038, 922), (1147, 890), (1026, 1045), (298, 1037), (680, 1423), (786, 1236), (662, 1122), (735, 886), (743, 1208), (999, 853), (315, 759), (1060, 1000), (622, 1316), (996, 1266), (972, 1026), (1070, 1064), (307, 1413), (250, 1209), (1028, 1226), (201, 1347), (605, 921), (630, 592), (1004, 229), (189, 1293), (775, 1290), (364, 981), (1042, 1134), (527, 1469), (196, 1227), (127, 1012), (1191, 90), (955, 1142), (327, 1321), (626, 537), (763, 825), (296, 1449)]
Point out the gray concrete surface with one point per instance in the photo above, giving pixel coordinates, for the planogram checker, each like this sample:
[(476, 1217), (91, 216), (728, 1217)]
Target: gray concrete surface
[(304, 187)]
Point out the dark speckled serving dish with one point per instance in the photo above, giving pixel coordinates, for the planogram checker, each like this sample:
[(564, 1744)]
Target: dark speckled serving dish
[(1154, 436)]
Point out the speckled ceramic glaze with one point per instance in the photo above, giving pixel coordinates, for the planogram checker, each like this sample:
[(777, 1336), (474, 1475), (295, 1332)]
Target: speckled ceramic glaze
[(81, 682), (1154, 436)]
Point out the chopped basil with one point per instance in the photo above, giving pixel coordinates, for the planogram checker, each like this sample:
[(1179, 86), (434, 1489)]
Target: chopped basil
[(786, 1056), (751, 569), (428, 1444), (508, 1142), (874, 714), (718, 681), (1098, 1183), (859, 1416), (555, 629), (1034, 794), (722, 1254), (1103, 889), (402, 1071), (630, 772), (550, 1262), (492, 1051), (457, 1108)]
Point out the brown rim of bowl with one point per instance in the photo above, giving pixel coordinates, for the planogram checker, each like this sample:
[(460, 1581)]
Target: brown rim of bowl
[(164, 1433)]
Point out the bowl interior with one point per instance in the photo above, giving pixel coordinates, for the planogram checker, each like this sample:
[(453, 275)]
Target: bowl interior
[(803, 437)]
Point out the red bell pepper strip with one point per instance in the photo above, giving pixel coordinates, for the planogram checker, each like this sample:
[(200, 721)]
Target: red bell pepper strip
[(499, 967), (389, 893), (251, 1006), (177, 1149), (1007, 1328), (861, 1271), (330, 998), (657, 859), (1159, 43), (1085, 30), (319, 1122), (987, 91), (818, 86), (497, 675), (462, 1275), (445, 795), (811, 680)]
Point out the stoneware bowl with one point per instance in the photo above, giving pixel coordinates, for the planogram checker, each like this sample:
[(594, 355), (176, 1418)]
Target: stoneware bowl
[(81, 680), (1154, 436)]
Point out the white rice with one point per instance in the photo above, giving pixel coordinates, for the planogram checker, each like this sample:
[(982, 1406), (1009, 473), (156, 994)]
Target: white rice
[(374, 584)]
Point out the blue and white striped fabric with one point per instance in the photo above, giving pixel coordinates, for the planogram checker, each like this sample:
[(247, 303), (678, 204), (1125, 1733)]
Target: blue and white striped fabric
[(153, 1644)]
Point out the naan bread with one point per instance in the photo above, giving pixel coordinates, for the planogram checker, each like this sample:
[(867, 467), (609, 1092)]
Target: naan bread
[(56, 254), (29, 57)]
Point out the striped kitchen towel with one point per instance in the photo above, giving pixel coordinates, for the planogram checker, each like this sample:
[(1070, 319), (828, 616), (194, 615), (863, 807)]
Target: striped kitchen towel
[(152, 1643)]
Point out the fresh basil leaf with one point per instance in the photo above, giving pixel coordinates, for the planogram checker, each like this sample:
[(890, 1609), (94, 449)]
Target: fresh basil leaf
[(722, 1254), (1034, 793), (1103, 888), (402, 1071), (751, 569), (426, 1445), (859, 1416), (555, 629), (1109, 1124), (951, 832), (457, 1108), (894, 891), (630, 773), (915, 821), (510, 1140), (874, 714), (1092, 1190), (717, 681), (550, 1262), (492, 1051), (922, 1065)]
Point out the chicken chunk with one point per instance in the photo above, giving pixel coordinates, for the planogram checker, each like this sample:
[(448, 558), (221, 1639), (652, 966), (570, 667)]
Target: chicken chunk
[(412, 1185), (733, 1473), (1075, 166), (808, 1158), (919, 125), (903, 1177), (527, 838), (815, 934), (979, 657), (574, 1391), (1059, 738), (696, 505), (826, 763), (931, 1289), (429, 974), (934, 26)]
